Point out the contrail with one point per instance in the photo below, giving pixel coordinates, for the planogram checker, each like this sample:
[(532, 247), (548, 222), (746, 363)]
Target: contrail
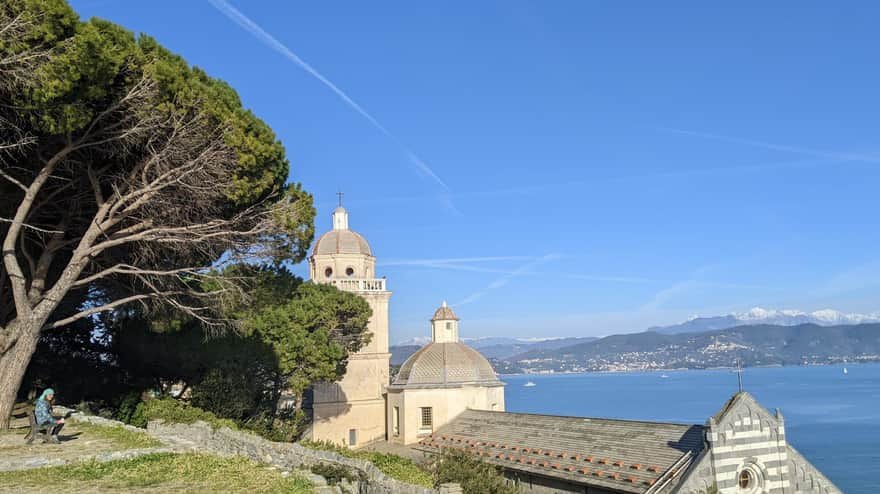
[(775, 147), (504, 280), (451, 260), (253, 28)]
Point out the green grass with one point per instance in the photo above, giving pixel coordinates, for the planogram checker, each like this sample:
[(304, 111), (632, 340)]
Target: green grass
[(394, 466), (118, 435), (159, 473)]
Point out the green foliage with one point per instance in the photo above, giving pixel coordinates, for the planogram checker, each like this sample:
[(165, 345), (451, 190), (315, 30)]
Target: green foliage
[(138, 417), (394, 466), (474, 475), (233, 376), (286, 427), (220, 391), (127, 407), (159, 473), (312, 333), (173, 411), (400, 468), (144, 165), (333, 473), (95, 61)]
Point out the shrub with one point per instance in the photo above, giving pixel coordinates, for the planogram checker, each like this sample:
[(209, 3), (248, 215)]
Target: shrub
[(474, 475), (127, 407), (232, 393), (287, 429), (333, 473), (171, 410)]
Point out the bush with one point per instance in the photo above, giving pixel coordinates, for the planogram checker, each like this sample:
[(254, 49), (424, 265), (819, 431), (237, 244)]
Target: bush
[(333, 473), (171, 410), (232, 393), (286, 429), (474, 475), (127, 407)]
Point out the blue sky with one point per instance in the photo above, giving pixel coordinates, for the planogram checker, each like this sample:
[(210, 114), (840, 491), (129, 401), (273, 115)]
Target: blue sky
[(569, 168)]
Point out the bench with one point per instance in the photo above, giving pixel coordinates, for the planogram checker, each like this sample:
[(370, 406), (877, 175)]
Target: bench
[(36, 429)]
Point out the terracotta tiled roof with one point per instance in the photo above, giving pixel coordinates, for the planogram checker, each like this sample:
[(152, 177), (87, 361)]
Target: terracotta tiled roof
[(617, 455), (444, 313)]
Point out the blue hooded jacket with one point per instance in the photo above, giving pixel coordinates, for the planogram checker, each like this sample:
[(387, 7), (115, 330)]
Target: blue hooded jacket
[(43, 410)]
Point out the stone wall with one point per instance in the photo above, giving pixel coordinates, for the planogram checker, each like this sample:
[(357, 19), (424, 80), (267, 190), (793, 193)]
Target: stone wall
[(202, 437)]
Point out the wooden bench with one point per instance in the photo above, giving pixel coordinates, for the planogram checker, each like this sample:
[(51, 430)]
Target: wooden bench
[(35, 429)]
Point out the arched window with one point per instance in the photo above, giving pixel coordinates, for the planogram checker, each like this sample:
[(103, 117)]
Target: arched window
[(328, 272), (349, 271), (746, 479)]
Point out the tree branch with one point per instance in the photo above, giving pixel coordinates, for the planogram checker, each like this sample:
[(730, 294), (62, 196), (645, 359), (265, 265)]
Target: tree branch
[(102, 308), (16, 276)]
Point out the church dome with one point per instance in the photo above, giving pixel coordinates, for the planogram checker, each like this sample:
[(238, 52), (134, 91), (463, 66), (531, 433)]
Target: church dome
[(449, 364), (341, 240)]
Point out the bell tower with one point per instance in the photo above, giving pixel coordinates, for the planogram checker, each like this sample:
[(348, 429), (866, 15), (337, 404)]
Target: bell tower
[(351, 412)]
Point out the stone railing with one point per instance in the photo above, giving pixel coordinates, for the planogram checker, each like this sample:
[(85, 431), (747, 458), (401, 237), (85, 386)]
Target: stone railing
[(358, 284), (202, 437)]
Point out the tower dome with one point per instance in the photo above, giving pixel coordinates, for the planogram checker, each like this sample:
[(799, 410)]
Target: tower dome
[(446, 361), (450, 364), (341, 240)]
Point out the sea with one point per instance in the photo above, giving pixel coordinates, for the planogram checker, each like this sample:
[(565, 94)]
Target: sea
[(832, 417)]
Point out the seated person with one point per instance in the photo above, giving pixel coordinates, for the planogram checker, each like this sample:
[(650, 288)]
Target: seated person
[(43, 413)]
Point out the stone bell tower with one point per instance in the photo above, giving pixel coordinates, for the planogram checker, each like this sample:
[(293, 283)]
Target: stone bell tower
[(352, 411)]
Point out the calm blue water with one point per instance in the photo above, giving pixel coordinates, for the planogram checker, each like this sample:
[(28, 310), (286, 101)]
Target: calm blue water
[(832, 418)]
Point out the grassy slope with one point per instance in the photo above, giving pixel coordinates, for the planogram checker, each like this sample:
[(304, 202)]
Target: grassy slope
[(158, 474), (119, 436)]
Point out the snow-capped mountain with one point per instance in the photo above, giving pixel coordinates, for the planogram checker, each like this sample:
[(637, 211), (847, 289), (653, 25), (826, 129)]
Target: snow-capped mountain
[(758, 315), (481, 342)]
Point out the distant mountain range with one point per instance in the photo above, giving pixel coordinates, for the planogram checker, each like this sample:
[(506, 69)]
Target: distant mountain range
[(756, 316), (758, 345), (757, 337), (492, 347)]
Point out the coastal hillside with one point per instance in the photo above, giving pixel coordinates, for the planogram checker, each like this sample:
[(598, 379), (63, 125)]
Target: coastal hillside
[(495, 349), (760, 345), (773, 317)]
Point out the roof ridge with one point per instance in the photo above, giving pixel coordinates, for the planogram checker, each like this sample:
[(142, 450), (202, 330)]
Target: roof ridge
[(651, 422)]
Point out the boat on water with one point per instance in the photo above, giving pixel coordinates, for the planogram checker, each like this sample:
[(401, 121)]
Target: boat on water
[(845, 371), (529, 384), (664, 376)]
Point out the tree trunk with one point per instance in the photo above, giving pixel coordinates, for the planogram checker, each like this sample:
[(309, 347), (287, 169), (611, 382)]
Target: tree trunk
[(13, 365)]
